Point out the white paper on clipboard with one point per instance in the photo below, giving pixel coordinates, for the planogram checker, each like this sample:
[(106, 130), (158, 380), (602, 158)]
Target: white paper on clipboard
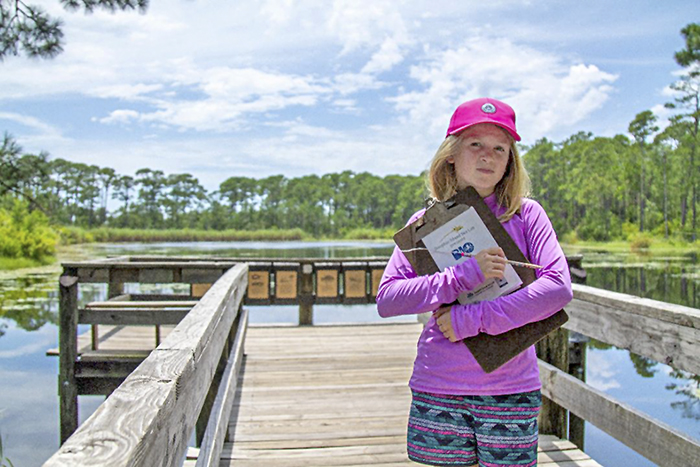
[(467, 234)]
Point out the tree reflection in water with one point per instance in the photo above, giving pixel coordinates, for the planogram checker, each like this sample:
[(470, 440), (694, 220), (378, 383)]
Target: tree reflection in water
[(689, 389), (32, 301), (29, 301), (674, 280)]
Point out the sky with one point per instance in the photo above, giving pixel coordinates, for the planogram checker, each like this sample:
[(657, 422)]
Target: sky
[(250, 88)]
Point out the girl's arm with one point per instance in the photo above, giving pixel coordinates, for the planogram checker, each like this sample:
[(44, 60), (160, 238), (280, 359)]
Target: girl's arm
[(541, 299), (402, 292)]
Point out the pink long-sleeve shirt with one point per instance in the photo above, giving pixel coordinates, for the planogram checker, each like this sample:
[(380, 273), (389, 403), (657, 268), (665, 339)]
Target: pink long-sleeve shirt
[(444, 367)]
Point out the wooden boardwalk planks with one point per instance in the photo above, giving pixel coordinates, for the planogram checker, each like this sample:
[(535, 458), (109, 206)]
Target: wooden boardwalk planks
[(334, 396)]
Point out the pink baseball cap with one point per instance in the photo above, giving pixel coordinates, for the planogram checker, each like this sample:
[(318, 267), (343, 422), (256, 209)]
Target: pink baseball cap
[(484, 110)]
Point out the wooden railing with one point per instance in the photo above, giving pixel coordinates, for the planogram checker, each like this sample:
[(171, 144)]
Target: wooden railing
[(150, 417), (148, 420), (660, 331)]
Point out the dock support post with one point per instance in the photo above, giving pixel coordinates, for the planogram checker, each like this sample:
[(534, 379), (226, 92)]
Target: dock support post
[(115, 286), (554, 349), (577, 369), (306, 298), (68, 351)]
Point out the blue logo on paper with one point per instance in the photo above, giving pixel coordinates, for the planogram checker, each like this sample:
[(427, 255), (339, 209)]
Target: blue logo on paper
[(463, 250)]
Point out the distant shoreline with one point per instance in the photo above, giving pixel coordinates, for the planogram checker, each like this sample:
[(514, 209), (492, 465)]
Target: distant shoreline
[(656, 246)]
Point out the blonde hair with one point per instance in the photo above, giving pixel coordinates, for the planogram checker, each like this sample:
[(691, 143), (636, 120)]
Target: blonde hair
[(510, 190)]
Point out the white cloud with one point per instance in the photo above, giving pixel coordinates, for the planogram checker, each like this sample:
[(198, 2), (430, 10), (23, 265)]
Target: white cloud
[(38, 135), (278, 12), (229, 95), (365, 24), (31, 122), (547, 93), (124, 91), (120, 116), (663, 116), (388, 55)]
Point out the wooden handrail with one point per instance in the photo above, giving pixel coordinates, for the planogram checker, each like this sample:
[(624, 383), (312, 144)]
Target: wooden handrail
[(653, 439), (217, 425), (661, 331), (149, 418)]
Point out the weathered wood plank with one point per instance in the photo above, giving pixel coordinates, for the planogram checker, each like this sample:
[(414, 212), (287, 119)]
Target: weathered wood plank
[(156, 275), (344, 403), (159, 262), (652, 438), (126, 316), (143, 304), (672, 313), (149, 418), (201, 275), (67, 343), (664, 340), (93, 274), (217, 426)]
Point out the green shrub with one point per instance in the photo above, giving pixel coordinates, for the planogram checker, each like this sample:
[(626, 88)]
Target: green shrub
[(640, 242), (570, 238), (25, 234), (69, 235), (629, 230)]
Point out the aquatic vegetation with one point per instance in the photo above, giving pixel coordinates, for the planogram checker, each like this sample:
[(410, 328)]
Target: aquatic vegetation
[(29, 301)]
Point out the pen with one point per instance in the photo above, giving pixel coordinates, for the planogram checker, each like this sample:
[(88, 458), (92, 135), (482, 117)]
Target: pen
[(469, 255)]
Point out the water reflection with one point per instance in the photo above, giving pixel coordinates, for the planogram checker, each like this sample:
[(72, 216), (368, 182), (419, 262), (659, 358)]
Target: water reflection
[(320, 249), (29, 301), (664, 281), (689, 390)]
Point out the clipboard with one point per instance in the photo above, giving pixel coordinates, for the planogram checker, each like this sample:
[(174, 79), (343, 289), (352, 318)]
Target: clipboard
[(490, 351)]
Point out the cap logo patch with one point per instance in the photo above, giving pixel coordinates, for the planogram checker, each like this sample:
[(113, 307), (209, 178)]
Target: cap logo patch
[(488, 108)]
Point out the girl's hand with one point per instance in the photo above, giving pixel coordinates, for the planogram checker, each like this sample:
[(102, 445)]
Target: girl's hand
[(443, 318), (492, 262)]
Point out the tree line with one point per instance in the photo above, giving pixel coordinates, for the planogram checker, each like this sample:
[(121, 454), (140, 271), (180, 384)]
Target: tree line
[(77, 194), (599, 188), (608, 188)]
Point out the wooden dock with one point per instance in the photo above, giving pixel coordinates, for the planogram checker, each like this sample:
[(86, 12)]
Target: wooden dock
[(334, 396), (177, 365)]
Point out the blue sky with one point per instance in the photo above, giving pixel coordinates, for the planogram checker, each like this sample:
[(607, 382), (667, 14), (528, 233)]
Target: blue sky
[(257, 88)]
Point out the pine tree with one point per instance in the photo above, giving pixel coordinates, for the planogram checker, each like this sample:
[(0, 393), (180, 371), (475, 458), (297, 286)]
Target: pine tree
[(29, 29)]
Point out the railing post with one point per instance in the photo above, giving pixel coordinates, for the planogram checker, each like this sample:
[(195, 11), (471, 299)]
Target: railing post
[(554, 349), (577, 369), (306, 297), (115, 286), (68, 351)]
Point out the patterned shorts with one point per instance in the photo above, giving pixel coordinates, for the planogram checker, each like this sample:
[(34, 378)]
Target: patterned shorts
[(466, 430)]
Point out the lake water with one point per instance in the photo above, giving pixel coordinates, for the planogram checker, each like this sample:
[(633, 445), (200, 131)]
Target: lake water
[(29, 310)]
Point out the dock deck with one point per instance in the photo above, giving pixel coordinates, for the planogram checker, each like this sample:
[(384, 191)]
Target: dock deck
[(334, 396)]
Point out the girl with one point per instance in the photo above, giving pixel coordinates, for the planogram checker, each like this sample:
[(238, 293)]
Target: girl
[(461, 415)]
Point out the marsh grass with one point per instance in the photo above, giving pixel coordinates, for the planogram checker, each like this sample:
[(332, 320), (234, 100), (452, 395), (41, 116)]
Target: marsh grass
[(10, 264), (73, 235), (368, 233), (646, 245)]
